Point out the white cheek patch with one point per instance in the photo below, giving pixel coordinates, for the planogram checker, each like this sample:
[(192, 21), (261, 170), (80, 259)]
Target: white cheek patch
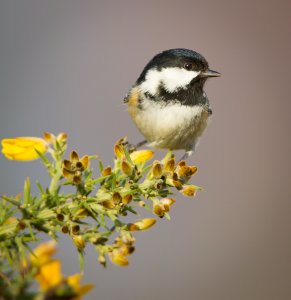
[(174, 78), (171, 79)]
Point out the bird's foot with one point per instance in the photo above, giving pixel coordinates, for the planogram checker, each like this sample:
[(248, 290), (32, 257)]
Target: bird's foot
[(131, 147), (186, 155)]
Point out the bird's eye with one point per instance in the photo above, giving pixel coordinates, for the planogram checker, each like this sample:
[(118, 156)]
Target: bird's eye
[(188, 66)]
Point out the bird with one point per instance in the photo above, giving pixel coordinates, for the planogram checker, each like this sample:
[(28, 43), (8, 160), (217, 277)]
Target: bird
[(168, 103)]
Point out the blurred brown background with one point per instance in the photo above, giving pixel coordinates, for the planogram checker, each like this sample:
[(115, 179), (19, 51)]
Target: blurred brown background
[(66, 65)]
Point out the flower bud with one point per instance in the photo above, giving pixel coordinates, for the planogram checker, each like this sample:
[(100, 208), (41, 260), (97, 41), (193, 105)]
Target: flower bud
[(81, 213), (74, 156), (85, 161), (126, 167), (67, 174), (62, 137), (79, 242), (127, 199), (106, 172), (146, 223), (77, 179), (109, 204), (157, 169), (126, 250), (21, 224), (116, 198), (189, 191), (142, 224), (159, 210), (118, 258), (170, 165), (182, 163), (119, 151), (49, 137), (75, 229), (168, 201), (60, 217), (65, 229), (67, 164), (132, 227)]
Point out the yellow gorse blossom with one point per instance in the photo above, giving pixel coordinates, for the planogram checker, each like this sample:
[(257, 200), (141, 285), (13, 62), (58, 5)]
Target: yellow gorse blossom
[(141, 156), (49, 275), (74, 282), (43, 253), (23, 148), (142, 224)]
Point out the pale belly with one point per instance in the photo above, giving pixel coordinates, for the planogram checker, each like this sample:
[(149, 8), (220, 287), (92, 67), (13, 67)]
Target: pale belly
[(172, 126)]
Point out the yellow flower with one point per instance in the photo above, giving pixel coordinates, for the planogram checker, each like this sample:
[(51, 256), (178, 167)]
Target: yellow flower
[(74, 282), (141, 156), (42, 254), (142, 224), (50, 278), (118, 258), (49, 275), (23, 148), (189, 190)]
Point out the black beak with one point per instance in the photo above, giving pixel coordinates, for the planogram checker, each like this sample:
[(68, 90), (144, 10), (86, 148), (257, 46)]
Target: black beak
[(209, 73)]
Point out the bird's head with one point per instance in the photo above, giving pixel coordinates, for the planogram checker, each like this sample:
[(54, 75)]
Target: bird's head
[(175, 73)]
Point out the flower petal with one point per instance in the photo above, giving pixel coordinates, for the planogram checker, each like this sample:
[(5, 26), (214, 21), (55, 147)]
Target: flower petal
[(141, 156), (49, 275), (23, 148)]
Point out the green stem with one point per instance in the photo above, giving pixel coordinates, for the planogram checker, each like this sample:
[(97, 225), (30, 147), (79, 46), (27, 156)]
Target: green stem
[(56, 178)]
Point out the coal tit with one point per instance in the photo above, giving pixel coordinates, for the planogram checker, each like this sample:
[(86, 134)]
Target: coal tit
[(167, 102)]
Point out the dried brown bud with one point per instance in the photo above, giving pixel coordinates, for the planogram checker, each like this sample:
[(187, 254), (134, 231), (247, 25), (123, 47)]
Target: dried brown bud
[(67, 174), (159, 210), (189, 191), (77, 179), (192, 170), (178, 185), (74, 156), (75, 229), (116, 198), (182, 163), (67, 164), (81, 213), (132, 227), (21, 224), (127, 199), (65, 229), (119, 151), (85, 161), (62, 137), (60, 217), (108, 204), (170, 165), (126, 167), (106, 171), (49, 137), (157, 170)]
